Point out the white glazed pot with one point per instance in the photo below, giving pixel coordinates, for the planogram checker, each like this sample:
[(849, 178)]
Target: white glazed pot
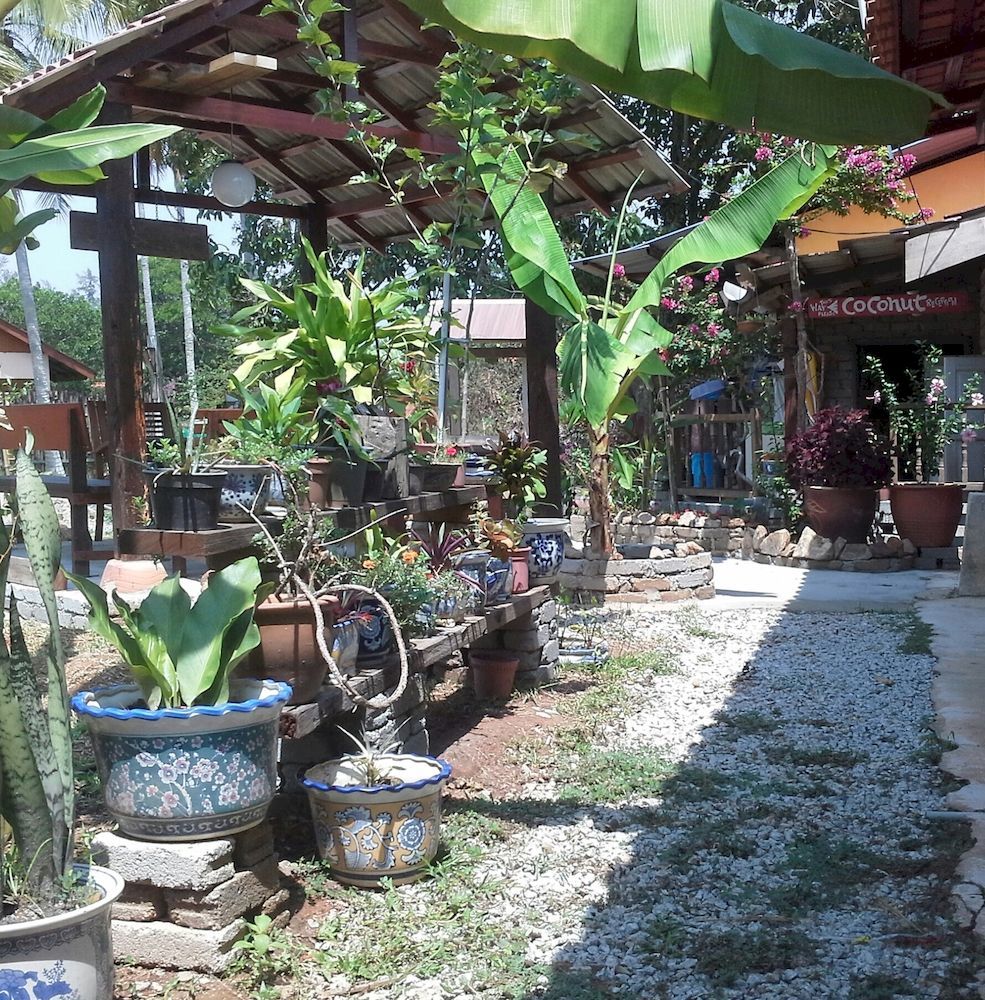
[(68, 955), (545, 537)]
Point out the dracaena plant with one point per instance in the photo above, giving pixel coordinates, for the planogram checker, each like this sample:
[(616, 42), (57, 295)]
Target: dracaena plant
[(36, 776), (182, 654)]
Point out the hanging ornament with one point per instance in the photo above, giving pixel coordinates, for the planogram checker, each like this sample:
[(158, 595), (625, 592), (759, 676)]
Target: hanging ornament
[(233, 184)]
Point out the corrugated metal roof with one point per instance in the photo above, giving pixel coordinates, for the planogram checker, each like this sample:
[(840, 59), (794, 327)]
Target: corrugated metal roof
[(399, 77)]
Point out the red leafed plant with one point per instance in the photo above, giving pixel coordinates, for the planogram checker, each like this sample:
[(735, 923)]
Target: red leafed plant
[(841, 448)]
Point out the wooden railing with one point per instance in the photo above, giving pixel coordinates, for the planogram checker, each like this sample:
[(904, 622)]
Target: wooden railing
[(733, 440)]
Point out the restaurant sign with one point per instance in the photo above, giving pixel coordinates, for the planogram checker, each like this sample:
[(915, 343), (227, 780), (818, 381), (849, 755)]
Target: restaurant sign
[(888, 306)]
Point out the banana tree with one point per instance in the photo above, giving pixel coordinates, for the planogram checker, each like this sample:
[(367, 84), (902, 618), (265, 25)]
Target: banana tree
[(606, 347), (65, 149), (705, 58)]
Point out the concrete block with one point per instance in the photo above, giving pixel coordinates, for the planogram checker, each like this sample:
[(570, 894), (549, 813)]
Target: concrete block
[(527, 640), (684, 581), (675, 595), (855, 553), (198, 865), (244, 893), (550, 651), (253, 846), (548, 612), (165, 945), (656, 584), (141, 903), (705, 593)]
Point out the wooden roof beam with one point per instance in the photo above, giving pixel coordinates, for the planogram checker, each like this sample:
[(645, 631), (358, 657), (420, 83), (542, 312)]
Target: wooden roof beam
[(625, 155), (273, 118), (374, 204), (592, 193), (269, 156)]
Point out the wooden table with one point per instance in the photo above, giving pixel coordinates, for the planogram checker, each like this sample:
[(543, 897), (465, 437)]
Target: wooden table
[(302, 720)]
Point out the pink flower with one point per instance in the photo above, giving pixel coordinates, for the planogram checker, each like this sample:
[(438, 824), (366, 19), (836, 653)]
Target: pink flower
[(668, 303), (930, 399), (327, 386), (714, 329), (969, 434), (451, 451), (686, 282), (907, 161), (763, 153), (711, 278), (937, 385), (876, 397), (795, 307), (409, 365), (694, 328), (803, 232), (618, 271), (977, 399), (664, 355), (170, 799), (926, 213), (713, 299)]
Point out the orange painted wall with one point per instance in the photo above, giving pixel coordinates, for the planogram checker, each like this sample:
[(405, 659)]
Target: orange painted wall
[(948, 189)]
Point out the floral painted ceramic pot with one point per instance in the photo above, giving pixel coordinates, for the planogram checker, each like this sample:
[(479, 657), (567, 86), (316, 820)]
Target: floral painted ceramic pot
[(68, 955), (545, 536), (245, 486), (186, 773), (345, 644), (376, 640), (382, 832), (471, 566), (499, 580)]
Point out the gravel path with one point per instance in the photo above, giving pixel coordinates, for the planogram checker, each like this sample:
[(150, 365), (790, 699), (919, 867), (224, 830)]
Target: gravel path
[(787, 856)]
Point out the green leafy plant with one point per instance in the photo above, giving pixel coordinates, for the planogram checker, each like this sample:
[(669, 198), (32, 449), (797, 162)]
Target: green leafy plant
[(36, 773), (182, 654), (501, 537), (519, 467), (264, 953), (926, 420)]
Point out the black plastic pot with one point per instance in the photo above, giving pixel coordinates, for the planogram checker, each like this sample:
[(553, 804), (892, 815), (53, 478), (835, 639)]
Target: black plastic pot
[(432, 478), (337, 480), (185, 501)]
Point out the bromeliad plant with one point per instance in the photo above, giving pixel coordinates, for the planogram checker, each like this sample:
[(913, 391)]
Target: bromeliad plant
[(182, 654), (519, 467)]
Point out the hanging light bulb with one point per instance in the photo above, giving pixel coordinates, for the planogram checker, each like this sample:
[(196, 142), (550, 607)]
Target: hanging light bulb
[(233, 184)]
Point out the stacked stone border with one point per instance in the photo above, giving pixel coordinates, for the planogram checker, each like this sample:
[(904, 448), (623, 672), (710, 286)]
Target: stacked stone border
[(812, 551), (642, 574)]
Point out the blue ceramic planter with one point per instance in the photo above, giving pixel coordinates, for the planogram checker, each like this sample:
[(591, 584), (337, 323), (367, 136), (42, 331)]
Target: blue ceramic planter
[(245, 486), (472, 566), (544, 536), (499, 581), (186, 773), (345, 644), (68, 955)]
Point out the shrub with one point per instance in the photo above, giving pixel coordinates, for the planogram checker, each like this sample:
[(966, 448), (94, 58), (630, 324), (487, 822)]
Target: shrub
[(841, 448)]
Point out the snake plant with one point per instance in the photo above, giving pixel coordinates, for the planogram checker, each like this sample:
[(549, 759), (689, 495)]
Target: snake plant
[(38, 796)]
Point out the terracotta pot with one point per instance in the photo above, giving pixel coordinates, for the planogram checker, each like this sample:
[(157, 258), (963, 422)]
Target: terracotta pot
[(495, 504), (521, 569), (841, 512), (927, 514), (288, 649), (493, 673)]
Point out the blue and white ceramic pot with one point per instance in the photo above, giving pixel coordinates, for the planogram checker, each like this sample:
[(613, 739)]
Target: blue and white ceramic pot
[(245, 486), (186, 773), (499, 580), (369, 833), (345, 644), (68, 955), (376, 639), (472, 566), (545, 537)]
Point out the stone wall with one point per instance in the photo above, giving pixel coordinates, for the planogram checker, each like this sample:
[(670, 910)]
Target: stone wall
[(659, 575), (812, 551), (534, 639)]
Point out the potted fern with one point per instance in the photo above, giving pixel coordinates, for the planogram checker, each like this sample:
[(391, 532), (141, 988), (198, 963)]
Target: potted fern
[(55, 931), (186, 751)]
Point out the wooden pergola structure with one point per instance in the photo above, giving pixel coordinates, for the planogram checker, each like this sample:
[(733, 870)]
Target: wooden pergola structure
[(242, 81), (938, 44)]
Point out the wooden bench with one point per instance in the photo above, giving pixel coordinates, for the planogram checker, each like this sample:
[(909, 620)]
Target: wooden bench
[(61, 427)]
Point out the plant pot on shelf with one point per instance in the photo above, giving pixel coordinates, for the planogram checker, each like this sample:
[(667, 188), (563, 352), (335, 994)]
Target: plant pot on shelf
[(841, 512), (288, 649), (345, 645), (371, 833), (927, 514), (520, 558), (245, 486), (493, 673), (499, 580), (494, 503), (472, 566), (184, 501), (545, 537), (337, 479), (434, 478), (186, 773), (69, 954)]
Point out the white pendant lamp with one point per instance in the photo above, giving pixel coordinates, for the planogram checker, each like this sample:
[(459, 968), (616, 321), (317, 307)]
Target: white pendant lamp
[(233, 184)]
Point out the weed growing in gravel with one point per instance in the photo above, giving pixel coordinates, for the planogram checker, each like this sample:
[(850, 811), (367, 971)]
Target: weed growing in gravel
[(748, 723), (610, 777), (718, 836), (798, 756), (932, 747), (653, 661), (879, 986), (695, 625), (917, 635), (726, 957), (666, 936)]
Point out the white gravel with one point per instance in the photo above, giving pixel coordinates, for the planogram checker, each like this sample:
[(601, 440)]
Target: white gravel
[(803, 733)]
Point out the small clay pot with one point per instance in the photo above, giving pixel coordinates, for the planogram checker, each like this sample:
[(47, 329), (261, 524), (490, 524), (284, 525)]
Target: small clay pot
[(520, 557), (493, 673)]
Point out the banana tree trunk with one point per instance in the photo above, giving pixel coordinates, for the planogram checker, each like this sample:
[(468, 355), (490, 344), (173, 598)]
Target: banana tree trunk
[(599, 505), (39, 363)]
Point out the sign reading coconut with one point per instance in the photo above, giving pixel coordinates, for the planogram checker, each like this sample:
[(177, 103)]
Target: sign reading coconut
[(888, 306)]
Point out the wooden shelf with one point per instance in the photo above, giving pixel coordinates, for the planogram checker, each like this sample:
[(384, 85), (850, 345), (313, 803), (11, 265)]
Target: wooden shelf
[(351, 518), (302, 720)]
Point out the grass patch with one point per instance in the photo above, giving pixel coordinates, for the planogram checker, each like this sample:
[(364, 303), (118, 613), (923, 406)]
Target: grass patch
[(880, 986), (609, 777), (726, 957), (917, 635), (711, 836), (748, 723), (695, 625), (653, 661), (798, 756), (666, 937)]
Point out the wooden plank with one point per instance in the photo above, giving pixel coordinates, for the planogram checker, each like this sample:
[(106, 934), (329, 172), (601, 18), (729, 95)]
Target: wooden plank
[(226, 71), (186, 544), (302, 720), (152, 237)]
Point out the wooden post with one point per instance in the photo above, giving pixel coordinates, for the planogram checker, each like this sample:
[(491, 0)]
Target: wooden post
[(122, 346), (542, 397), (314, 228), (791, 403)]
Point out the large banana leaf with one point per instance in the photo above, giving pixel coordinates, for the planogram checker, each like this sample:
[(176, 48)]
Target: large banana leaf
[(706, 58)]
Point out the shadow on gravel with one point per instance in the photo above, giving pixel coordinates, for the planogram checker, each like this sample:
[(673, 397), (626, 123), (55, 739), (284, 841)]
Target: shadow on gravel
[(787, 857)]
